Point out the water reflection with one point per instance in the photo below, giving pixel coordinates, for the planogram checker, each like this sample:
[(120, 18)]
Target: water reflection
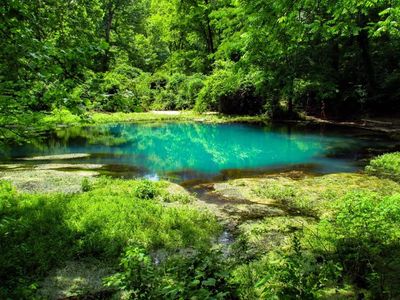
[(191, 150)]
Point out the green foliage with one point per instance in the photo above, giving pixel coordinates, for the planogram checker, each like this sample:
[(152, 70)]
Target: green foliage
[(202, 275), (365, 237), (350, 249), (40, 232), (357, 244), (387, 165), (34, 238), (124, 89), (86, 185), (138, 276), (296, 275), (60, 116), (177, 91), (231, 56), (292, 273), (146, 190), (230, 90)]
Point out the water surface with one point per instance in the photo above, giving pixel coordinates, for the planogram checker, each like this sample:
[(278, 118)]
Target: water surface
[(184, 151)]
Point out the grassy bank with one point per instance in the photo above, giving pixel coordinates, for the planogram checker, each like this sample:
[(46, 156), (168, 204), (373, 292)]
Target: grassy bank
[(40, 232), (334, 237), (65, 117)]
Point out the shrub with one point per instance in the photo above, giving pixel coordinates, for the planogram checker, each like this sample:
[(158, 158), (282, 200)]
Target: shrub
[(198, 275), (387, 165), (61, 116), (138, 277), (243, 101), (145, 189), (290, 274), (122, 89), (34, 238), (176, 91), (357, 243), (365, 236), (86, 185)]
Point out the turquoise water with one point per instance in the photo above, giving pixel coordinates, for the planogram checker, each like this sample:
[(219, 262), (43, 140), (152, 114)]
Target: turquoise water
[(194, 150)]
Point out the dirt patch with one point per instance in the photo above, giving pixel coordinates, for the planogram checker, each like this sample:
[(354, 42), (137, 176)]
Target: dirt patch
[(47, 181), (76, 278), (166, 112)]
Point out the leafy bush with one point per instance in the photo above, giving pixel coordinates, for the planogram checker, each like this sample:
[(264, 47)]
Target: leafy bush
[(312, 94), (138, 276), (7, 197), (202, 275), (358, 244), (122, 89), (61, 116), (221, 82), (368, 235), (114, 214), (176, 91), (293, 273), (145, 189), (365, 237), (296, 275), (86, 185), (117, 92), (34, 237), (387, 165)]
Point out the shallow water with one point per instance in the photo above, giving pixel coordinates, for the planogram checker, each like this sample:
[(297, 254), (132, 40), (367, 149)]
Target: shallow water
[(184, 151)]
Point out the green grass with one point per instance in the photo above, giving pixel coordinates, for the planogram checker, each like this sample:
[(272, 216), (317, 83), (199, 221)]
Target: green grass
[(42, 231), (63, 116)]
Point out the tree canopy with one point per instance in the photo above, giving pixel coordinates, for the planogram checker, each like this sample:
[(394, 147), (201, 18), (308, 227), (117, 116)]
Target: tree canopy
[(327, 58)]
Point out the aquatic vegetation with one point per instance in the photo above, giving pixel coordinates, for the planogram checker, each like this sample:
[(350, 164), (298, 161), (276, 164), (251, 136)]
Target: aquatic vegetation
[(350, 249), (310, 195)]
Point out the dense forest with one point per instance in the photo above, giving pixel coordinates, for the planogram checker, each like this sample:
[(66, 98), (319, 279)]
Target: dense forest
[(330, 59)]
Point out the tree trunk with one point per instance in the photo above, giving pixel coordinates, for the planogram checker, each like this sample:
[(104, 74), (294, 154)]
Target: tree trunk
[(363, 43), (209, 36), (107, 33)]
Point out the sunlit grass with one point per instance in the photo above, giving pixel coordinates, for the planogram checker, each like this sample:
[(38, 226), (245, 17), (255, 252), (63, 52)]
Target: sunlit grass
[(42, 231)]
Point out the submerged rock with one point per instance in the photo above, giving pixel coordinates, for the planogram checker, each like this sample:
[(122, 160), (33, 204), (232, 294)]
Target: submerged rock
[(11, 166), (69, 166), (57, 157)]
